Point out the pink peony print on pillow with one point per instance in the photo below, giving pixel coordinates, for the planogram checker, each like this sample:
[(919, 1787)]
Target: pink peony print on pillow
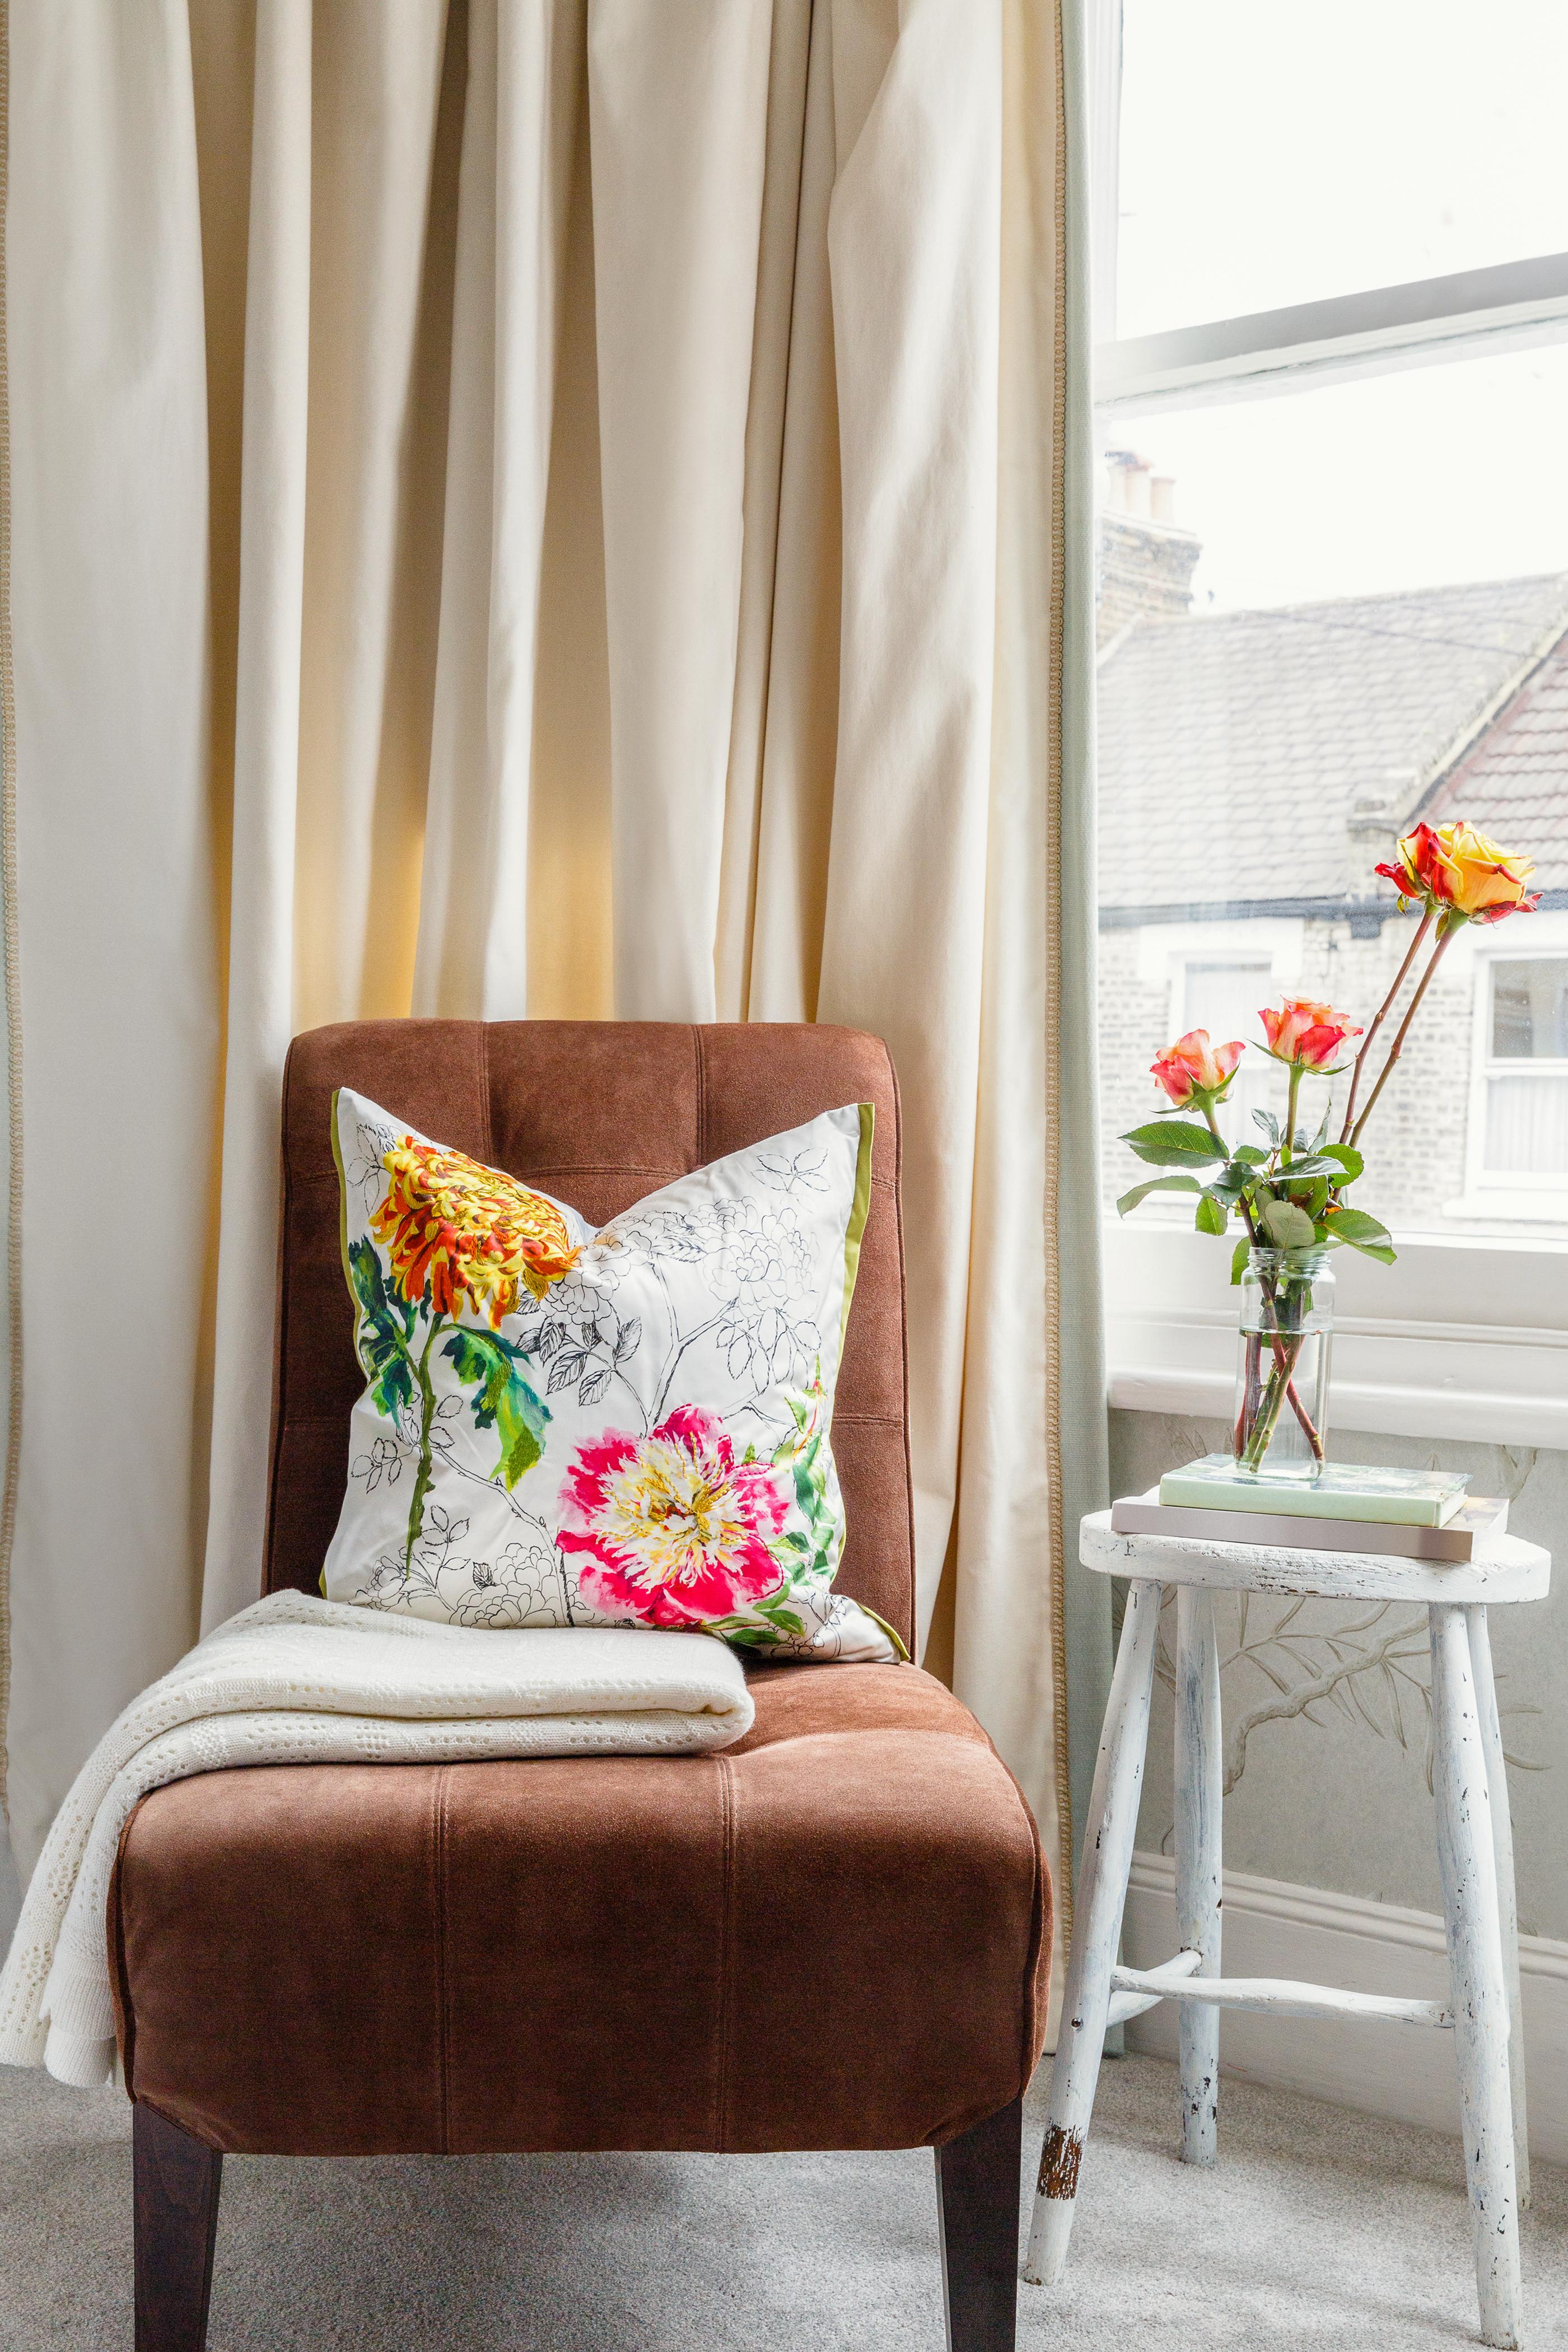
[(672, 1527)]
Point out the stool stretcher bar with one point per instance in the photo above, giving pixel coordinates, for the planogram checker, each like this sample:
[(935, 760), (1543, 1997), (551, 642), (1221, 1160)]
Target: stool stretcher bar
[(1276, 1996), (1125, 2005)]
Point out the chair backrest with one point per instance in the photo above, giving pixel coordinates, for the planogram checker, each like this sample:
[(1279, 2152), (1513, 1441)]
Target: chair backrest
[(600, 1113)]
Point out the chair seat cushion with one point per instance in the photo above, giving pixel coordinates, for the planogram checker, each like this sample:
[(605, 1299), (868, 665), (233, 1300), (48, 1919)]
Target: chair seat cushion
[(835, 1934)]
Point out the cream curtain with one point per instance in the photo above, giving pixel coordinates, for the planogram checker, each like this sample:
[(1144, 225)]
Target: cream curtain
[(542, 507)]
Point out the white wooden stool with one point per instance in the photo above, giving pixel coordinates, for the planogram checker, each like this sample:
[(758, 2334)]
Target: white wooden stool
[(1475, 1853)]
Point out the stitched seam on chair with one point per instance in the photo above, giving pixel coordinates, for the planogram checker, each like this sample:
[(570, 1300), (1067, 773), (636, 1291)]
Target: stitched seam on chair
[(724, 2021), (537, 1168), (438, 1862), (699, 1158), (117, 1940), (1044, 1902), (485, 1112), (335, 1421)]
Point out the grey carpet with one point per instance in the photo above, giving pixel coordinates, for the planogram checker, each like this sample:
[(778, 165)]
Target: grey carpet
[(1319, 2228)]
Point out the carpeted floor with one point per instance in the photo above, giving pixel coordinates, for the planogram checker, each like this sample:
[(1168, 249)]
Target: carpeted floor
[(1319, 2228)]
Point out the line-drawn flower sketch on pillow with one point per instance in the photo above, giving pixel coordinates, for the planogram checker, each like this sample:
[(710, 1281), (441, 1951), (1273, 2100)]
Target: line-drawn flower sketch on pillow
[(582, 1335), (367, 1171), (804, 1170), (384, 1460), (514, 1589), (755, 1262)]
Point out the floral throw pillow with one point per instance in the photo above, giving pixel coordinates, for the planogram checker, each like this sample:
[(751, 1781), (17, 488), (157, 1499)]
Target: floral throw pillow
[(626, 1426)]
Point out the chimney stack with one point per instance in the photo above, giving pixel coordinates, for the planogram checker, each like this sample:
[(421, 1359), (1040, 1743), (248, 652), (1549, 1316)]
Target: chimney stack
[(1146, 558)]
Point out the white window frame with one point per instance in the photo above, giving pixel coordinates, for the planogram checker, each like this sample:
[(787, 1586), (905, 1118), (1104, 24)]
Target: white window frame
[(1496, 1192), (1463, 1337)]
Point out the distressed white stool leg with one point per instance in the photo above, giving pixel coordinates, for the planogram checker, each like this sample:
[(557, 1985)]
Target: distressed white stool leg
[(1502, 1847), (1200, 1793), (1100, 1895), (1467, 1858)]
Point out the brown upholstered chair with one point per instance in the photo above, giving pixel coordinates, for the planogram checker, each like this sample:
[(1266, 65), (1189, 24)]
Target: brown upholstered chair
[(345, 1959)]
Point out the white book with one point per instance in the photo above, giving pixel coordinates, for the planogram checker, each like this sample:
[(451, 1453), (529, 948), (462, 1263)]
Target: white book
[(1471, 1534), (1341, 1490)]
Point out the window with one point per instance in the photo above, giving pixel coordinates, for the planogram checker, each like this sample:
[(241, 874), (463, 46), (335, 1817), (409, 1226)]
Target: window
[(1223, 998), (1517, 1154), (1332, 598)]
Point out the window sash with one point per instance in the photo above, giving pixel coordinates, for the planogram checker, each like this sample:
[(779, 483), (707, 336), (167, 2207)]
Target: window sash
[(1538, 1191), (1370, 331)]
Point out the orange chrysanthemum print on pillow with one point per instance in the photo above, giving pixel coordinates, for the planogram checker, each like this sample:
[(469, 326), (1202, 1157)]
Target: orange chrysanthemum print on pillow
[(621, 1425)]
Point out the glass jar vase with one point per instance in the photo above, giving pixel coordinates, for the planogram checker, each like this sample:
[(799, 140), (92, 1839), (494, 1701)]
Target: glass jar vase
[(1282, 1364)]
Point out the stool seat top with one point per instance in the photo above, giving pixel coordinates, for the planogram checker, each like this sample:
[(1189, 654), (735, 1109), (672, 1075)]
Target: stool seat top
[(1512, 1568)]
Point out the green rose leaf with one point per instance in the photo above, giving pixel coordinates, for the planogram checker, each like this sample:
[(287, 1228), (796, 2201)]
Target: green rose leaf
[(1243, 1251), (1252, 1155), (1170, 1142), (1288, 1226), (1268, 1123), (1212, 1216), (1156, 1184), (1347, 1157), (1310, 1163), (1361, 1232)]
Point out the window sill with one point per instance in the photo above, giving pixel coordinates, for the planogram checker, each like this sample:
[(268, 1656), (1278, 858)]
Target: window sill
[(1460, 1339), (1545, 1207)]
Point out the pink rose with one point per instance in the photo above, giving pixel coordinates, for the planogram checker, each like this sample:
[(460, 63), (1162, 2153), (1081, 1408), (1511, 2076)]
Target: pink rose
[(1192, 1064), (1305, 1032)]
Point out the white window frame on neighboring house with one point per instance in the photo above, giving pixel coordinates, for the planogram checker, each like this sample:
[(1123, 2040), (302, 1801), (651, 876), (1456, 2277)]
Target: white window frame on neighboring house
[(1541, 1195), (1464, 1337)]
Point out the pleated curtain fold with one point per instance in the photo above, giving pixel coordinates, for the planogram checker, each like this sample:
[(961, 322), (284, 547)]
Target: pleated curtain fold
[(553, 507)]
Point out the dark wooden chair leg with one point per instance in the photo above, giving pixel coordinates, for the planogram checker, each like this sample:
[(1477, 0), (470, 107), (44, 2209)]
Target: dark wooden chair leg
[(177, 2180), (977, 2200)]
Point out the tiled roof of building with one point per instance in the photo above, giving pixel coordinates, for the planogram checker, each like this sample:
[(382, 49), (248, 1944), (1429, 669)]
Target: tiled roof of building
[(1514, 784), (1261, 731)]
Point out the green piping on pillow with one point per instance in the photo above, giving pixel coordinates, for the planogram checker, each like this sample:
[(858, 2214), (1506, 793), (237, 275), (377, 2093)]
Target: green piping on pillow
[(859, 1208), (343, 1217), (342, 1256)]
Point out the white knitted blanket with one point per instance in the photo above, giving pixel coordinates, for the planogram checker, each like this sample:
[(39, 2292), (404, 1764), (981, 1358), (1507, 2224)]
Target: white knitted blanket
[(295, 1680)]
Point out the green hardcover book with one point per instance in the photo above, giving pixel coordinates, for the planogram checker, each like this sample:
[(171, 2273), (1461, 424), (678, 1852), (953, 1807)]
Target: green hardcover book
[(1342, 1490)]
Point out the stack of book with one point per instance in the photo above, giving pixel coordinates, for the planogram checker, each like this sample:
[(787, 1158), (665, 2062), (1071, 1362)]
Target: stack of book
[(1410, 1514)]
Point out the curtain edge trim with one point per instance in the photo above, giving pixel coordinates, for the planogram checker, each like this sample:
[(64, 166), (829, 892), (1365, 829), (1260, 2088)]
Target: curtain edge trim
[(11, 948), (1060, 1730)]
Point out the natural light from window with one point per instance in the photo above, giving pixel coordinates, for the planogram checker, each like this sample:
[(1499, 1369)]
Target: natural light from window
[(1273, 154), (1327, 608)]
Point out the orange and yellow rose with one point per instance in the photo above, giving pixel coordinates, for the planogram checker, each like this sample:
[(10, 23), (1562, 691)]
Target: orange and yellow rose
[(463, 1234), (1455, 867), (1192, 1066), (1305, 1032)]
